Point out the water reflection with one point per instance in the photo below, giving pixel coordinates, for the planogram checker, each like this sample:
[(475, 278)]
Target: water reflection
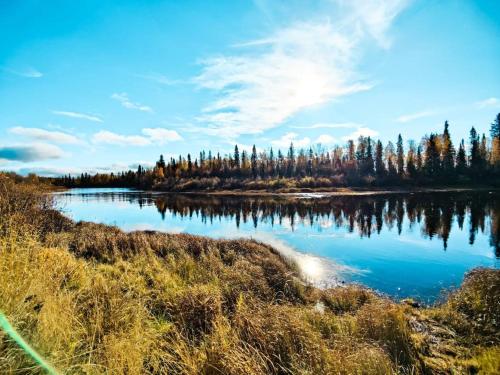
[(404, 245), (362, 215)]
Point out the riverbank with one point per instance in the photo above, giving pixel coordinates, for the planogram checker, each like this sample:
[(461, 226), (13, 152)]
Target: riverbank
[(93, 299), (340, 191)]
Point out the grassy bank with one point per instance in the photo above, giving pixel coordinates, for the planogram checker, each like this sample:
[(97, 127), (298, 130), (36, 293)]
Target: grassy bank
[(305, 184), (92, 299)]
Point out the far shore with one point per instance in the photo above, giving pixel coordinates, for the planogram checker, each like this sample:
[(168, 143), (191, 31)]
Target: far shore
[(345, 191), (312, 193)]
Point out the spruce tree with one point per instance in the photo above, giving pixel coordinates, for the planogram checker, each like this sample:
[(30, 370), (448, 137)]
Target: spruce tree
[(400, 155), (461, 167), (253, 161), (236, 158), (369, 163), (447, 152), (379, 160), (432, 165)]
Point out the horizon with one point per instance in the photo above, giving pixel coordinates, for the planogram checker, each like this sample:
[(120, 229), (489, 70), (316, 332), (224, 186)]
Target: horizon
[(104, 87)]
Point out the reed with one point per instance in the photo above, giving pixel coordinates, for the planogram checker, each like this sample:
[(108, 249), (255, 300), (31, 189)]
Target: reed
[(91, 299)]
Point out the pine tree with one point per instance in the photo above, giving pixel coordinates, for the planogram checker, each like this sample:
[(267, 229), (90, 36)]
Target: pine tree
[(432, 165), (419, 159), (447, 152), (369, 157), (253, 161), (291, 161), (236, 158), (475, 157), (400, 155), (495, 128), (379, 160), (461, 167), (411, 167), (189, 164)]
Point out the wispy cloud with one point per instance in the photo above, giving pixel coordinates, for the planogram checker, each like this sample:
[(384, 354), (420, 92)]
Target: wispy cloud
[(27, 73), (326, 139), (158, 136), (363, 131), (159, 78), (343, 125), (415, 116), (45, 135), (161, 135), (375, 16), (306, 64), (78, 115), (59, 171), (488, 103), (30, 153), (105, 136), (124, 100), (288, 138)]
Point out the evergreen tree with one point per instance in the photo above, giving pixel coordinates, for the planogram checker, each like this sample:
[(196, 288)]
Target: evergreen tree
[(189, 163), (236, 158), (420, 162), (461, 167), (432, 165), (475, 157), (291, 161), (369, 157), (253, 159), (400, 155), (161, 163), (447, 152), (495, 128), (379, 160), (411, 167)]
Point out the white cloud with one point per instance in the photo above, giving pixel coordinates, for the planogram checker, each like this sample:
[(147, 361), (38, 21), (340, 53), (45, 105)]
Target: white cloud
[(161, 135), (326, 139), (30, 152), (306, 64), (415, 116), (27, 73), (78, 115), (285, 141), (127, 103), (59, 171), (159, 78), (45, 135), (150, 136), (343, 125), (111, 138), (375, 16), (489, 103), (363, 131)]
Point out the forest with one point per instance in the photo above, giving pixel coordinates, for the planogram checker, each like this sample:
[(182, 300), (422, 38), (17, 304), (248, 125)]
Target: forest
[(434, 161)]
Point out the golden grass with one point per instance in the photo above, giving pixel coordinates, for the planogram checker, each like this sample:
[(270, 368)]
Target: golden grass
[(95, 300)]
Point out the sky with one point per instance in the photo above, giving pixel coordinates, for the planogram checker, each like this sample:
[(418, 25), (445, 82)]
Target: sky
[(103, 86)]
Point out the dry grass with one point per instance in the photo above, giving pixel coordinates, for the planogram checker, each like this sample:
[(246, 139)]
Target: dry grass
[(95, 300)]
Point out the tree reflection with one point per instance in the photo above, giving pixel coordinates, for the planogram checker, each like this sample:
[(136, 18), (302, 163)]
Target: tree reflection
[(435, 214)]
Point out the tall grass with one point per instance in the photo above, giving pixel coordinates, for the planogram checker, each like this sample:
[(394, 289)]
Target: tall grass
[(92, 299)]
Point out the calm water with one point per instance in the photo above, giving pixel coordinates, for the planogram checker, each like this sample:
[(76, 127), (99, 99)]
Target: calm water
[(403, 245)]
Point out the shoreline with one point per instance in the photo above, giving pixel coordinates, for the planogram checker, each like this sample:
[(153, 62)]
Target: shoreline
[(330, 193)]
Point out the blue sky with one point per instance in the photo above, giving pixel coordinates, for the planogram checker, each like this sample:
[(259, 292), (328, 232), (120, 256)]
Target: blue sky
[(99, 85)]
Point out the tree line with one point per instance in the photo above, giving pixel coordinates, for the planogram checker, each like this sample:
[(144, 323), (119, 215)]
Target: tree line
[(366, 162)]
